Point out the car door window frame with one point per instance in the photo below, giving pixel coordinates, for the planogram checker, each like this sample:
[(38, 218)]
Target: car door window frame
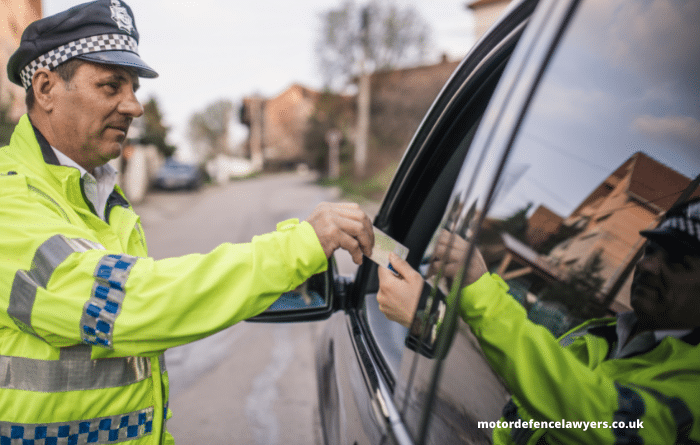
[(436, 130)]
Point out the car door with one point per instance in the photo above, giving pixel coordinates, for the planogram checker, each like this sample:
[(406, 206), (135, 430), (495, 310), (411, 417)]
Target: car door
[(589, 138), (368, 369)]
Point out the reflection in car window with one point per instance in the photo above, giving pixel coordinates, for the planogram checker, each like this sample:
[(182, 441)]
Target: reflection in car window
[(610, 142)]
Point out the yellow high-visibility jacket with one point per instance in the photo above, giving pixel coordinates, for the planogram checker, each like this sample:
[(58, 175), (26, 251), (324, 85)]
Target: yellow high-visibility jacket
[(655, 395), (86, 315)]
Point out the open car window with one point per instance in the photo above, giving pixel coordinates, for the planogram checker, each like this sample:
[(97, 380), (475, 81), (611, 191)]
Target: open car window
[(423, 212)]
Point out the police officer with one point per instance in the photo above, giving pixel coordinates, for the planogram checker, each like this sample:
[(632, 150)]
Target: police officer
[(87, 314), (630, 379)]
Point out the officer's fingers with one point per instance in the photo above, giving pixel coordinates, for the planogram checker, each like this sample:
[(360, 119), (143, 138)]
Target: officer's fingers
[(457, 255), (348, 210), (352, 245), (361, 230), (355, 212), (439, 250)]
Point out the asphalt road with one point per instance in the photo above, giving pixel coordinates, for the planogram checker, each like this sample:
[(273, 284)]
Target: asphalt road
[(252, 383)]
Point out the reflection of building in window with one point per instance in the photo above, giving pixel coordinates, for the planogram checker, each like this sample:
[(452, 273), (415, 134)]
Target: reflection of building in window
[(542, 224), (629, 200), (597, 241)]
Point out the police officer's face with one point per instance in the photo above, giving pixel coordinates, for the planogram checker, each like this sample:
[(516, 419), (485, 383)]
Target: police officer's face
[(665, 290), (93, 112)]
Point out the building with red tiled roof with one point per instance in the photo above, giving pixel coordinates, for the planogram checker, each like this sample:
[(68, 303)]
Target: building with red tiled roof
[(541, 226), (399, 99), (606, 225), (631, 199)]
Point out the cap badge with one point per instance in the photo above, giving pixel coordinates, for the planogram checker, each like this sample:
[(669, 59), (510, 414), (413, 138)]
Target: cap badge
[(121, 17)]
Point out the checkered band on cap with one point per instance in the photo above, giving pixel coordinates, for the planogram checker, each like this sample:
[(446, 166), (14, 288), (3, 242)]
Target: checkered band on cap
[(86, 45), (688, 226)]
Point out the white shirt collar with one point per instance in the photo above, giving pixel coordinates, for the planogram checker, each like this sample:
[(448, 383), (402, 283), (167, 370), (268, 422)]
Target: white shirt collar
[(644, 341), (97, 187)]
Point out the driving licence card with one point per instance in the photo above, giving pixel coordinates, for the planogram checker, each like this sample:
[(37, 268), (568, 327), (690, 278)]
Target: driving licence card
[(383, 246)]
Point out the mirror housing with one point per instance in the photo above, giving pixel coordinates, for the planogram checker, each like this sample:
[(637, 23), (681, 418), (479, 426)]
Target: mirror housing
[(316, 299)]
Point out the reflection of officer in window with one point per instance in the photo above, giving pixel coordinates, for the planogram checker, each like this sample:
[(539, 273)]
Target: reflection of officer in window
[(88, 315), (637, 376)]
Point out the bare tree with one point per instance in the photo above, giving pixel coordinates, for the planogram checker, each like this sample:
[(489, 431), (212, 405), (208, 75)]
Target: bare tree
[(378, 35), (209, 129)]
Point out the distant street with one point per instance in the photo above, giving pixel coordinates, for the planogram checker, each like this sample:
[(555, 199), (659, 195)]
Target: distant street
[(252, 383)]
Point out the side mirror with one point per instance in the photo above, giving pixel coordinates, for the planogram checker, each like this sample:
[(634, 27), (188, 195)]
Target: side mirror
[(313, 300)]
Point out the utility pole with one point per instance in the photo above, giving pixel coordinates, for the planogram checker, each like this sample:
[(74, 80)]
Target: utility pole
[(256, 133), (363, 102), (333, 138)]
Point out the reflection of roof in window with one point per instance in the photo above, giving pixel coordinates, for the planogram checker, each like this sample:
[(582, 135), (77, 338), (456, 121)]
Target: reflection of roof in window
[(528, 256), (650, 183), (654, 182)]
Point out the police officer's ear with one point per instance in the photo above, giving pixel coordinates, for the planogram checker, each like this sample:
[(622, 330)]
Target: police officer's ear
[(44, 83)]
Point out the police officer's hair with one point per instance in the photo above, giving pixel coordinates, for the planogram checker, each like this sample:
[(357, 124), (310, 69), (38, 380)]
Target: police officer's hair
[(65, 70)]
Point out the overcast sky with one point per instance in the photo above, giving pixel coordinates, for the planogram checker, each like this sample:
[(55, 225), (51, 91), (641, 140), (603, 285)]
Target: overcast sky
[(205, 50)]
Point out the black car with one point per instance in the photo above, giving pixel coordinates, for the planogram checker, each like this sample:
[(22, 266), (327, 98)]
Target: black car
[(570, 126)]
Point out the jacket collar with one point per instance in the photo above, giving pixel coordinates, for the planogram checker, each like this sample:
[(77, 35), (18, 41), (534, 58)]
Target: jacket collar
[(52, 163), (46, 150)]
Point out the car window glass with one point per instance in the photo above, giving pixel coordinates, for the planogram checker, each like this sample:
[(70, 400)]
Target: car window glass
[(610, 142)]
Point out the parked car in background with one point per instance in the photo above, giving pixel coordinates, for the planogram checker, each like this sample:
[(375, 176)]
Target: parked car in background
[(223, 168), (570, 126), (175, 175)]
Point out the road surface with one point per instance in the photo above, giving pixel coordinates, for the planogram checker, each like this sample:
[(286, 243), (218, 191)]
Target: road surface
[(252, 383)]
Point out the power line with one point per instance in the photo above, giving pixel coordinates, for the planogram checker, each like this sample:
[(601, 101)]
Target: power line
[(550, 146)]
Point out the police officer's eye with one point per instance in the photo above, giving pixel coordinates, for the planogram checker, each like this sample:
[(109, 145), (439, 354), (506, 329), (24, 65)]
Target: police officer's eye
[(111, 86)]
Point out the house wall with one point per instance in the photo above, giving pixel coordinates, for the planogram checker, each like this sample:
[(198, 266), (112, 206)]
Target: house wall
[(399, 101), (285, 123), (542, 224), (612, 231), (15, 15), (486, 12)]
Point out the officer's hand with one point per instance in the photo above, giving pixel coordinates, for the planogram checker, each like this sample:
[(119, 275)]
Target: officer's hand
[(343, 225), (449, 255), (399, 294)]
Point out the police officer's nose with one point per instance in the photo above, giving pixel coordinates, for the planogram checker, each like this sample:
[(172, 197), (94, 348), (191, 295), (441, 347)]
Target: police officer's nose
[(130, 105)]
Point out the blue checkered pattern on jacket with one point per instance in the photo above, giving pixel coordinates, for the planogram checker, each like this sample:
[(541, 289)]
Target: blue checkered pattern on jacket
[(101, 311), (104, 430)]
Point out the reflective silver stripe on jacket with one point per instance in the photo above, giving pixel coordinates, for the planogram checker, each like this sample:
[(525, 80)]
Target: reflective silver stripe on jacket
[(73, 371), (102, 309), (101, 430), (24, 287)]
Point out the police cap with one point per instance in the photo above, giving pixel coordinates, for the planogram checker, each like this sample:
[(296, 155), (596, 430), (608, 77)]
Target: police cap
[(102, 31)]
